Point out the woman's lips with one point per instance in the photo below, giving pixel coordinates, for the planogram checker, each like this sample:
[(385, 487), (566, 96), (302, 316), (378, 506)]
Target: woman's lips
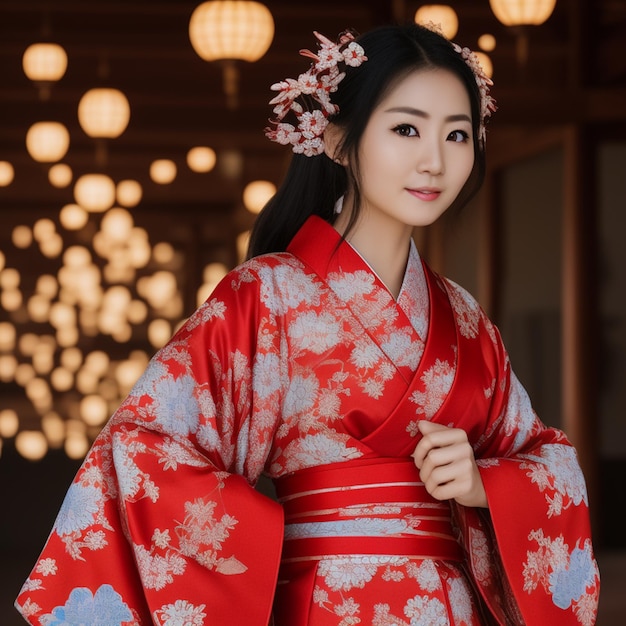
[(427, 194)]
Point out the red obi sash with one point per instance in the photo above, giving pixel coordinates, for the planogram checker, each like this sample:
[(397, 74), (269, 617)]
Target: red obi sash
[(365, 506)]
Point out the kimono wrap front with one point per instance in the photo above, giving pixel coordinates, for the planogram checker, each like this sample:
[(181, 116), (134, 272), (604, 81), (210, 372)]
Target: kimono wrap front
[(302, 367)]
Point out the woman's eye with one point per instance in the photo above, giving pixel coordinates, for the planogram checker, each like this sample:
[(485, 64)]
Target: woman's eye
[(458, 136), (406, 130)]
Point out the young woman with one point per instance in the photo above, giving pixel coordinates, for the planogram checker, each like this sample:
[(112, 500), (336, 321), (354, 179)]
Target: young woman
[(416, 485)]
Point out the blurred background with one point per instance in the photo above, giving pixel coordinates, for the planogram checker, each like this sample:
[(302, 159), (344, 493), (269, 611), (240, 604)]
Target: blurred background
[(133, 161)]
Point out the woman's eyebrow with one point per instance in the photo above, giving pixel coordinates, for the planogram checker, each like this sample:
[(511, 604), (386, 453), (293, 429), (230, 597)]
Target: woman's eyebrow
[(459, 117)]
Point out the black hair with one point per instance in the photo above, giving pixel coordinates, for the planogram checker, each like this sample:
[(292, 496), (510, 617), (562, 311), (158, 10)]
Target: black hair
[(312, 185)]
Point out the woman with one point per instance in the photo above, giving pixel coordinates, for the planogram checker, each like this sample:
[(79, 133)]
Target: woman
[(416, 485)]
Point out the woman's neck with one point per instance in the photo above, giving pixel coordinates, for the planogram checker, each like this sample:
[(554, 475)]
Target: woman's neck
[(385, 249)]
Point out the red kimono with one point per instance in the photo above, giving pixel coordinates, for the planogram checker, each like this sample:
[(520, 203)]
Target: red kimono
[(301, 366)]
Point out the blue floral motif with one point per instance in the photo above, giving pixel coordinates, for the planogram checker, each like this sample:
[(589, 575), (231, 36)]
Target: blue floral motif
[(105, 608), (78, 509), (176, 408), (568, 584)]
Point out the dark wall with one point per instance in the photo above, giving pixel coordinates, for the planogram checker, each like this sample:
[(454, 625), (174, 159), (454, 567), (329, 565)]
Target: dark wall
[(31, 494)]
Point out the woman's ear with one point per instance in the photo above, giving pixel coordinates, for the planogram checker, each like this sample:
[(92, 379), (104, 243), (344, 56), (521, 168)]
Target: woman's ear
[(333, 136)]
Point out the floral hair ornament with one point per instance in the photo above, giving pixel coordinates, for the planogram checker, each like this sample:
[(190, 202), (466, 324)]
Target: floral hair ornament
[(487, 103), (308, 97)]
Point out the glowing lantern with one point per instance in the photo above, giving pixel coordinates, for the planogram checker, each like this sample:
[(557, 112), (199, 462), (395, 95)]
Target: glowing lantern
[(230, 30), (31, 444), (7, 336), (522, 12), (93, 410), (9, 423), (22, 236), (53, 427), (60, 175), (94, 192), (487, 42), (6, 173), (163, 171), (76, 445), (201, 159), (47, 142), (73, 217), (257, 193), (233, 29), (159, 331), (44, 64), (117, 224), (440, 15), (129, 193), (104, 112)]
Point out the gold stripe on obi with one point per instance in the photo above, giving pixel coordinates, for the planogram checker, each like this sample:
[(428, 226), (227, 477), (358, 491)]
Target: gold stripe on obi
[(373, 506)]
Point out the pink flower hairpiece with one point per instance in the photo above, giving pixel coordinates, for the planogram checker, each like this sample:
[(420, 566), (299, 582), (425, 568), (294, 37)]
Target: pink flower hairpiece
[(487, 103), (314, 86)]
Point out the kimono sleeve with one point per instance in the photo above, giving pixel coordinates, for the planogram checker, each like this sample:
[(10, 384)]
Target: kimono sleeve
[(161, 524), (531, 553)]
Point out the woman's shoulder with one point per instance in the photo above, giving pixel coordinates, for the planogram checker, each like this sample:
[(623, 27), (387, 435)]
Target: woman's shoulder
[(259, 268), (268, 260), (240, 291), (261, 273), (460, 293), (469, 313)]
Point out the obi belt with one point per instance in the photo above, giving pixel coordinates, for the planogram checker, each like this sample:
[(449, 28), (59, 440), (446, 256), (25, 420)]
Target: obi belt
[(360, 507)]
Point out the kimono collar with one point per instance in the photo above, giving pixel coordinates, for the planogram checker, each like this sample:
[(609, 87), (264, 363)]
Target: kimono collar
[(321, 247)]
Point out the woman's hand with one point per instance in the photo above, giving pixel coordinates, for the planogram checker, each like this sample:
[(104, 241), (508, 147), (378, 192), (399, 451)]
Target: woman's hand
[(447, 466)]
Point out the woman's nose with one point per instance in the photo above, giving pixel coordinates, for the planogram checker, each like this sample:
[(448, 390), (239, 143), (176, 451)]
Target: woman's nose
[(430, 158)]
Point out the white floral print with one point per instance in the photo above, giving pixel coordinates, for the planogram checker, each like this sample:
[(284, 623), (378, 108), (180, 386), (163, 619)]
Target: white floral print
[(301, 394), (426, 610), (284, 287), (460, 600), (181, 613), (347, 573), (425, 574), (79, 509), (46, 567), (314, 449), (556, 471), (437, 384), (467, 311)]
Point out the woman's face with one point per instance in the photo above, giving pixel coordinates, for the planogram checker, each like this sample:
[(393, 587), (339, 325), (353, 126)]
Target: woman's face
[(417, 150)]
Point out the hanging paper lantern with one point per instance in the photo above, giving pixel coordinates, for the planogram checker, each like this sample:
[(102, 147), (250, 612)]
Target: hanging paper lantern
[(104, 112), (522, 12), (231, 29)]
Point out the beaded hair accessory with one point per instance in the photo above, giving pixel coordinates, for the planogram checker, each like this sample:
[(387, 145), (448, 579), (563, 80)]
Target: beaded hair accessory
[(315, 85)]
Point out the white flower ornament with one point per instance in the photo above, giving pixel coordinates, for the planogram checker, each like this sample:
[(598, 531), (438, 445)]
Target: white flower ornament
[(314, 86)]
